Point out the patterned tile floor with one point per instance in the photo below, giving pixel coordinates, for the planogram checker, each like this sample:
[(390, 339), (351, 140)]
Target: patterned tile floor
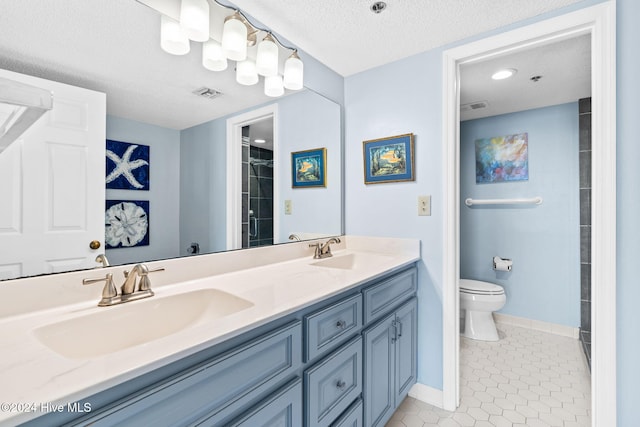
[(528, 378)]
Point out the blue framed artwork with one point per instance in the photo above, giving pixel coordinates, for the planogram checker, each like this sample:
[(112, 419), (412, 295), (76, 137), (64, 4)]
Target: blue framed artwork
[(127, 166), (502, 158), (126, 223), (389, 159), (309, 168)]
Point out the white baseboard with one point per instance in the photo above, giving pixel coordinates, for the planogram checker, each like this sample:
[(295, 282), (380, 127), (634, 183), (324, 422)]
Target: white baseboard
[(537, 325), (427, 394)]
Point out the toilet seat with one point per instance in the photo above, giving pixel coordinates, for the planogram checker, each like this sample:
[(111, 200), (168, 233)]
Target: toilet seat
[(477, 287)]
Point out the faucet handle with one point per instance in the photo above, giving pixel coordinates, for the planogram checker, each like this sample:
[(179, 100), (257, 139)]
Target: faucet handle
[(126, 272), (318, 247), (145, 283), (109, 292)]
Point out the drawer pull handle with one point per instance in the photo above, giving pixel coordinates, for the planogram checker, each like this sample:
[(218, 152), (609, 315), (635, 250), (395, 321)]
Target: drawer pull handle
[(399, 325), (341, 324), (341, 385)]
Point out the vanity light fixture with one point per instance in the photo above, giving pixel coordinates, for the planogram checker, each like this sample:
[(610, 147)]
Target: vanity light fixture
[(232, 42), (293, 72), (246, 73), (173, 39), (273, 86), (213, 57), (504, 73), (194, 19), (267, 58), (234, 37)]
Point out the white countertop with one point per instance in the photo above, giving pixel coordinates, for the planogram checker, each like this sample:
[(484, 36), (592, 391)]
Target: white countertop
[(33, 377)]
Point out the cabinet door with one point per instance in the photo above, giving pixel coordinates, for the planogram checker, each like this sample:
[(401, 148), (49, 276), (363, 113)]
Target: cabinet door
[(379, 402), (284, 409), (406, 349)]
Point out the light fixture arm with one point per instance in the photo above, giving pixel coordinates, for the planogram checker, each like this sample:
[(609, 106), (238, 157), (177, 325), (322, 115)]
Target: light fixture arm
[(253, 29)]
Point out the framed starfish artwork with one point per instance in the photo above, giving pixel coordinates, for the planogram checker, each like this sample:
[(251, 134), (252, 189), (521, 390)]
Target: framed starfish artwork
[(126, 223), (127, 166)]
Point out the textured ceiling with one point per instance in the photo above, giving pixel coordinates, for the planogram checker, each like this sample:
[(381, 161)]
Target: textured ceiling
[(349, 38), (112, 46), (564, 68)]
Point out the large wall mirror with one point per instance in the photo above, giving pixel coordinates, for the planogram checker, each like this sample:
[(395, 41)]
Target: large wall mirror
[(114, 47)]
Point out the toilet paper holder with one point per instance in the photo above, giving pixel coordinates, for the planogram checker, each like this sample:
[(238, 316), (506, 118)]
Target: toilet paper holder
[(502, 264)]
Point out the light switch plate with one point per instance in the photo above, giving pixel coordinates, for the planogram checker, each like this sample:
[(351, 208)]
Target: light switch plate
[(287, 207), (424, 205)]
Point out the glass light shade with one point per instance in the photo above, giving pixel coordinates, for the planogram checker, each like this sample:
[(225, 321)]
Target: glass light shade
[(172, 39), (213, 57), (246, 73), (267, 57), (194, 19), (234, 39), (273, 86), (293, 73)]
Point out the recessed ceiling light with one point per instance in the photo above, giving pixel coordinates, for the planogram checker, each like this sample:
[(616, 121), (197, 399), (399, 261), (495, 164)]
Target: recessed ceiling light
[(259, 141), (504, 74)]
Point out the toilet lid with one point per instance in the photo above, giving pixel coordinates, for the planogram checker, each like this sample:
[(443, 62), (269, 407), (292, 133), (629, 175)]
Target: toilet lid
[(480, 288)]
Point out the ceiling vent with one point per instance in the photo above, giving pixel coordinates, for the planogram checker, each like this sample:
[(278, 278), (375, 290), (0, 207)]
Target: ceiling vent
[(207, 92), (478, 105)]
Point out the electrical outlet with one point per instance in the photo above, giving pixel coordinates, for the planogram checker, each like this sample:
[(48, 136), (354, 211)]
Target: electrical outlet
[(424, 205), (287, 207)]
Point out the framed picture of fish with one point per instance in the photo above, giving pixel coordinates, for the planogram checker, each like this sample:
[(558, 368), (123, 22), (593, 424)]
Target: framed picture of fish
[(309, 168), (389, 159)]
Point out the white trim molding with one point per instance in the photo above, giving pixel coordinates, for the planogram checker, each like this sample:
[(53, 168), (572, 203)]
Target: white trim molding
[(537, 325), (234, 170), (599, 22), (426, 394)]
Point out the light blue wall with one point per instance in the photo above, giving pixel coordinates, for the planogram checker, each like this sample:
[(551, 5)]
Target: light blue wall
[(628, 206), (309, 121), (203, 191), (543, 241), (163, 194), (402, 97)]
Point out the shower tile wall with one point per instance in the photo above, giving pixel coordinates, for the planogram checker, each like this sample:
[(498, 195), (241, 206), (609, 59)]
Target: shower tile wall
[(585, 225), (261, 196)]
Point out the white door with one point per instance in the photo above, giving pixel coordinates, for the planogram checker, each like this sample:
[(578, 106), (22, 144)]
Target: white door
[(52, 188)]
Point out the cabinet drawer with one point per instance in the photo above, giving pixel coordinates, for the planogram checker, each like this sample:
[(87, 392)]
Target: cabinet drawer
[(214, 390), (385, 296), (352, 417), (330, 327), (283, 409), (331, 385)]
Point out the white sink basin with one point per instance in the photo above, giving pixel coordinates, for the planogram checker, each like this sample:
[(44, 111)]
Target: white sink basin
[(110, 329), (351, 261)]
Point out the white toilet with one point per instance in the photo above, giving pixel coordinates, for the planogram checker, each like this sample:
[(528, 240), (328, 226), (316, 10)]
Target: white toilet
[(480, 300)]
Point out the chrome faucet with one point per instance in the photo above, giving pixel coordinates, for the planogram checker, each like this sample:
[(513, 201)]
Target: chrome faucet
[(323, 250), (129, 285), (128, 290)]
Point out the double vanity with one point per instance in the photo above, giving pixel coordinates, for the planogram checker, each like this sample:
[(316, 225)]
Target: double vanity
[(267, 336)]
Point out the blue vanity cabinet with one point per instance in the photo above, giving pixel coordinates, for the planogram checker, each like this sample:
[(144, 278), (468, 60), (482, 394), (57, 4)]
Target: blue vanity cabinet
[(390, 365), (329, 327), (333, 384), (284, 409), (352, 417), (216, 391)]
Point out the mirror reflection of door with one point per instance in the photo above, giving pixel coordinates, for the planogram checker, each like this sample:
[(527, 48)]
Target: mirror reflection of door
[(257, 183)]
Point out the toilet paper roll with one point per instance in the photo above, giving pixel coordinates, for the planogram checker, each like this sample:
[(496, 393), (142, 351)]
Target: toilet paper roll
[(502, 264)]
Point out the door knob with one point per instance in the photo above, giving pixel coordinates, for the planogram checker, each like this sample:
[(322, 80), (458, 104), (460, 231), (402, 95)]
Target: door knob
[(95, 244)]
